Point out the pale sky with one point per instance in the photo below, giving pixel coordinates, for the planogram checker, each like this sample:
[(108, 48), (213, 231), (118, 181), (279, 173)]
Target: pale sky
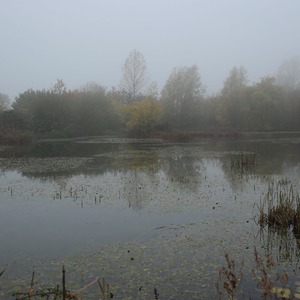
[(88, 40)]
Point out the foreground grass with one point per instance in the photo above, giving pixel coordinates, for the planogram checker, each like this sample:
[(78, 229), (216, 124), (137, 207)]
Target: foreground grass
[(269, 282)]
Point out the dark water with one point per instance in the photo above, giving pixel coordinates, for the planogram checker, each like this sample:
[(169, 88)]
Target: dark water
[(143, 214)]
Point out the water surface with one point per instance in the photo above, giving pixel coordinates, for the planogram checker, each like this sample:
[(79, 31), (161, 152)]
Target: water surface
[(142, 214)]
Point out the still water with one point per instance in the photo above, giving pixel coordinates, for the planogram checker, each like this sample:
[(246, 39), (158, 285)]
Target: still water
[(142, 214)]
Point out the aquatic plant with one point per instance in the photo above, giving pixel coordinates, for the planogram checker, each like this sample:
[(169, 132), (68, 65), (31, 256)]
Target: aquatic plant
[(280, 208)]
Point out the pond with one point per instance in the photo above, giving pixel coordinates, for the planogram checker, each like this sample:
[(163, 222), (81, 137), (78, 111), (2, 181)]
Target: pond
[(144, 215)]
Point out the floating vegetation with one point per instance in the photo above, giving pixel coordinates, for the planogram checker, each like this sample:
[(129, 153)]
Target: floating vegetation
[(280, 209)]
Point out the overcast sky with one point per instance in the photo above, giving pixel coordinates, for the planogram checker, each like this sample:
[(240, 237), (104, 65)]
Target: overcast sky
[(88, 40)]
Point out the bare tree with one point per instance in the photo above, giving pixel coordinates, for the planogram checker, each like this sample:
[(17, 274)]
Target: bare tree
[(134, 76), (59, 87), (152, 90)]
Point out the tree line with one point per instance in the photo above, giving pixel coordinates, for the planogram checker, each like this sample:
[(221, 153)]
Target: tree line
[(138, 109)]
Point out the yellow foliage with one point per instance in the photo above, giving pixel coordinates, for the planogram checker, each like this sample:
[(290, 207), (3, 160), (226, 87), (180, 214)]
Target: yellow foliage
[(143, 116), (283, 292)]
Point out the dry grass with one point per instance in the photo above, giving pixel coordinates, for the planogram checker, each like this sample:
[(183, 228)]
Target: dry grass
[(15, 136)]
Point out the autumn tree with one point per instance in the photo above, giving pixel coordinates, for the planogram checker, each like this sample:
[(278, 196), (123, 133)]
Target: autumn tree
[(134, 75), (143, 116), (181, 96)]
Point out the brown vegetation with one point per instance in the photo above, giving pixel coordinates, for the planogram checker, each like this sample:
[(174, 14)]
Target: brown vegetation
[(15, 136)]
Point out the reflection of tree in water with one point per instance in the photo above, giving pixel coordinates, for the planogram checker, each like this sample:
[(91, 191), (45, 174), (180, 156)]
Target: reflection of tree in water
[(166, 172), (138, 188), (183, 167), (237, 174), (58, 148), (147, 166), (134, 158)]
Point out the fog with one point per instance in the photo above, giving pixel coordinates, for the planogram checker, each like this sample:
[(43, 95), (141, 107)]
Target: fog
[(80, 41)]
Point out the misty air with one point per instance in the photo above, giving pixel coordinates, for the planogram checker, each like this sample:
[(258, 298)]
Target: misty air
[(149, 150)]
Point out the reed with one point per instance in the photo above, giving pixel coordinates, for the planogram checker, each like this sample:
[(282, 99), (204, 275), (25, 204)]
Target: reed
[(280, 208)]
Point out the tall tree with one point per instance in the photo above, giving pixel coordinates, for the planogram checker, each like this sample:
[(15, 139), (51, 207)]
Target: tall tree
[(134, 75), (59, 87), (289, 74), (235, 82), (181, 96), (262, 107), (232, 95)]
